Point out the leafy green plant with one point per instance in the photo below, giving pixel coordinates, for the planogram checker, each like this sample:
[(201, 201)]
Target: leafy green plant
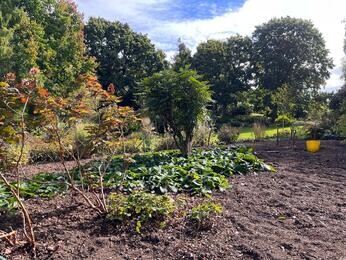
[(13, 153), (7, 201), (342, 126), (203, 172), (314, 132), (82, 143), (160, 172), (44, 151), (178, 100), (41, 185), (139, 207), (203, 214)]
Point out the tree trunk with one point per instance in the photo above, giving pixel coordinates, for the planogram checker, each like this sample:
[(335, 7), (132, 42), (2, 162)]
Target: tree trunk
[(186, 147)]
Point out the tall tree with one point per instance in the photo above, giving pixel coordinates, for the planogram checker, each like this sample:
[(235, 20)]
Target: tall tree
[(125, 57), (344, 60), (183, 58), (47, 34), (227, 66), (338, 101), (291, 51), (178, 100), (19, 42)]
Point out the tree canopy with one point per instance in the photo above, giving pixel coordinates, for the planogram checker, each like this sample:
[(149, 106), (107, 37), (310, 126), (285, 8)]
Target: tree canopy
[(124, 56), (183, 58), (47, 34), (178, 100), (291, 51), (227, 66)]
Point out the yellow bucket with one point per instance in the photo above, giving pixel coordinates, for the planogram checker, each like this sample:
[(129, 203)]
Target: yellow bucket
[(313, 146)]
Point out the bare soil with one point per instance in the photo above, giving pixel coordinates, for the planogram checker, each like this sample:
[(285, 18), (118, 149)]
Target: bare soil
[(299, 212)]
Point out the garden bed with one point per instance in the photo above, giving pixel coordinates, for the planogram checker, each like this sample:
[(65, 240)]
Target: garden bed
[(298, 212)]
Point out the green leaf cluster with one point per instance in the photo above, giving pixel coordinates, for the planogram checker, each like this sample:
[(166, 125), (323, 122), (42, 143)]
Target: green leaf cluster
[(47, 34), (177, 100), (162, 172), (139, 207), (44, 185), (205, 211), (201, 173)]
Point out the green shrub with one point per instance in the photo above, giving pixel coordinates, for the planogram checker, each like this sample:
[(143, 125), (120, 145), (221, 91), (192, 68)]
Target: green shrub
[(228, 134), (147, 135), (342, 126), (315, 132), (46, 152), (139, 207), (7, 201), (203, 214), (283, 133), (42, 150), (82, 145), (130, 144), (12, 154)]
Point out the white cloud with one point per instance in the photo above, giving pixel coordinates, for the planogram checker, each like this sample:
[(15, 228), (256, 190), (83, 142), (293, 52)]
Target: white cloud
[(135, 12), (327, 15)]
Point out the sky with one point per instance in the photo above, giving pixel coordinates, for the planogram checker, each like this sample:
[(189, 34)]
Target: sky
[(195, 21)]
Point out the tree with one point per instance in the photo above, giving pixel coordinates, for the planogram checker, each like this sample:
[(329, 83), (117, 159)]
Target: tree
[(178, 100), (183, 58), (344, 60), (291, 51), (227, 66), (285, 100), (19, 43), (125, 57), (47, 34), (338, 102)]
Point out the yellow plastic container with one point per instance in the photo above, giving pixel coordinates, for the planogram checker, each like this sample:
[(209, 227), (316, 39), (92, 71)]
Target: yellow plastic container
[(313, 146)]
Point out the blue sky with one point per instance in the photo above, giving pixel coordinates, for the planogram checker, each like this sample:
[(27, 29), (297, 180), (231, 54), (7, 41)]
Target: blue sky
[(182, 10), (195, 21)]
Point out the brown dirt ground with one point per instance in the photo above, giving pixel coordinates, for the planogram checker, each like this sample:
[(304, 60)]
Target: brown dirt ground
[(297, 213)]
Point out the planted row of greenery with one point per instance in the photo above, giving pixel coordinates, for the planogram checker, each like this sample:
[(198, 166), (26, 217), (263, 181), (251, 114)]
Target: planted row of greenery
[(163, 172), (200, 173)]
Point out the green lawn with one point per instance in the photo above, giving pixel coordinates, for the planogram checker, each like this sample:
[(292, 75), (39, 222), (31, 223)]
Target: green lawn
[(246, 133)]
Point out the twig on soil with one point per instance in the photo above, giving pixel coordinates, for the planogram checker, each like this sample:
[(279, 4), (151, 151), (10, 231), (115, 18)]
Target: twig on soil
[(27, 223), (11, 237)]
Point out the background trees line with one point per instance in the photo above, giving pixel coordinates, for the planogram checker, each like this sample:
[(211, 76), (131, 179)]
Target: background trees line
[(244, 73)]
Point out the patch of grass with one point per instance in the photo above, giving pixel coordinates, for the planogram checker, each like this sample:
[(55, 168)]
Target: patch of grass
[(246, 133)]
